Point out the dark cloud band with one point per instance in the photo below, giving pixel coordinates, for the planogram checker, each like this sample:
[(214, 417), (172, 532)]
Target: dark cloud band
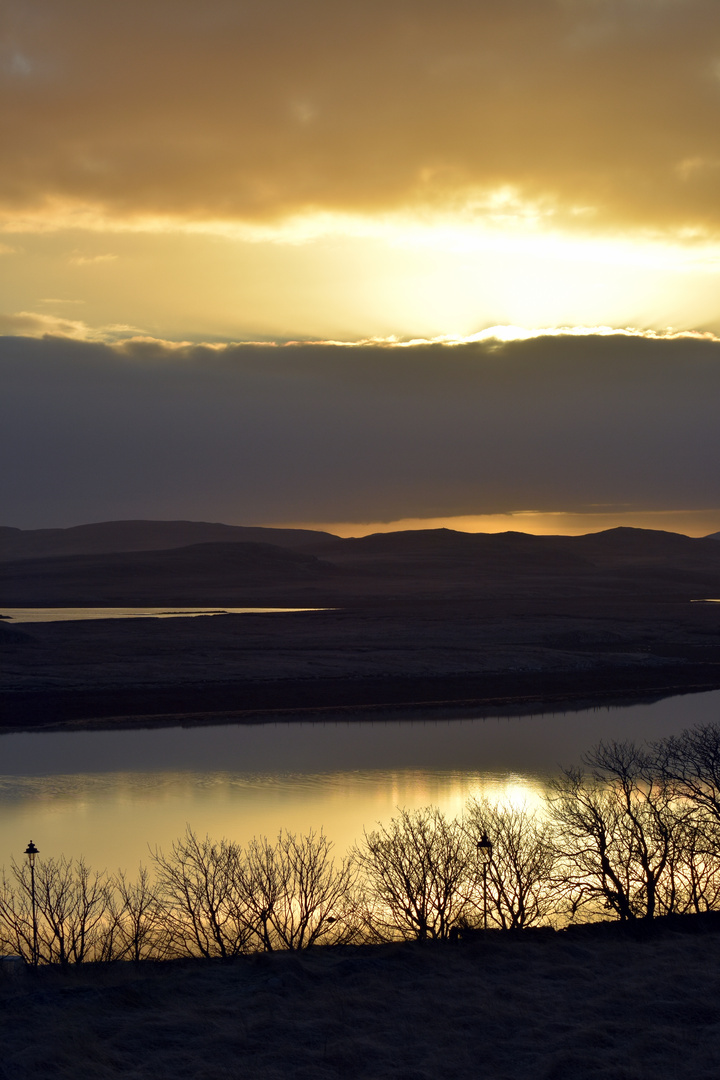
[(257, 434)]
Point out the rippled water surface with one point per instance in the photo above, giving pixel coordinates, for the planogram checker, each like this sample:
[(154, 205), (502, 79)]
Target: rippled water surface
[(108, 795)]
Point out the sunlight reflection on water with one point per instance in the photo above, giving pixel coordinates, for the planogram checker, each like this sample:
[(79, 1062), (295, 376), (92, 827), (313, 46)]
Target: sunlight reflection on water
[(83, 614), (108, 795)]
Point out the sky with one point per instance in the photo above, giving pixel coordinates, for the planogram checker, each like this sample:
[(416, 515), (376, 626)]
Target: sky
[(361, 266)]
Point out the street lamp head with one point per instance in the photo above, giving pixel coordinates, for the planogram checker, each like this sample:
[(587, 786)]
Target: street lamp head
[(484, 850), (31, 851)]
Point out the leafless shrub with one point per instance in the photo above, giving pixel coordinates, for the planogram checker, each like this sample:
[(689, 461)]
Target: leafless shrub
[(594, 846), (295, 895), (617, 827), (202, 908), (692, 880), (690, 762), (16, 921), (521, 887), (73, 912), (414, 876), (139, 919)]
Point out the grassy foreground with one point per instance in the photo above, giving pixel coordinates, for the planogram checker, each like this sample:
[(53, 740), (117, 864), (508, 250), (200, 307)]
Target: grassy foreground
[(594, 1002)]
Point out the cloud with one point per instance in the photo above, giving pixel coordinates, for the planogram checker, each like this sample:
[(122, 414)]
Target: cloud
[(90, 260), (329, 433), (524, 333), (601, 114), (38, 324), (34, 324)]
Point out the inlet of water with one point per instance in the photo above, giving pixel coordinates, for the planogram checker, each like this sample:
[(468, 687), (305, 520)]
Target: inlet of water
[(77, 614)]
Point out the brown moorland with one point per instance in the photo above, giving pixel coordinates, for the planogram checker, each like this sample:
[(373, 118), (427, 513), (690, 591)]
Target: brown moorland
[(598, 1002), (430, 619)]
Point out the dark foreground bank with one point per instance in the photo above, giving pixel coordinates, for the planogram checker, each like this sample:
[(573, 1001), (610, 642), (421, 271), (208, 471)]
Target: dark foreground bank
[(593, 1002)]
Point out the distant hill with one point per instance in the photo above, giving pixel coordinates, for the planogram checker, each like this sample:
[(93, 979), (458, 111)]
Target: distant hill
[(445, 549), (713, 536), (613, 547), (200, 573), (115, 536), (648, 546), (430, 563), (621, 561)]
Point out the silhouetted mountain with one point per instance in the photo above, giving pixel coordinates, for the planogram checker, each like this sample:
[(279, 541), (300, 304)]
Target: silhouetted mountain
[(436, 548), (616, 547), (648, 547), (112, 536), (618, 561), (713, 536), (413, 564)]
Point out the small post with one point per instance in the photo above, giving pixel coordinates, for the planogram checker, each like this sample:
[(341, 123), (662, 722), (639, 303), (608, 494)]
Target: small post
[(31, 851), (484, 851)]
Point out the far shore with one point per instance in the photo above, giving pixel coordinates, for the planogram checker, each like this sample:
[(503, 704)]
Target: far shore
[(436, 637), (291, 701)]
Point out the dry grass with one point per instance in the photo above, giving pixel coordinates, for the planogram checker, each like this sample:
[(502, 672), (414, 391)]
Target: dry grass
[(595, 1004)]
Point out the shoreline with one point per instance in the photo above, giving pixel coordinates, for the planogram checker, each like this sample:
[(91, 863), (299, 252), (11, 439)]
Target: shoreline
[(347, 700)]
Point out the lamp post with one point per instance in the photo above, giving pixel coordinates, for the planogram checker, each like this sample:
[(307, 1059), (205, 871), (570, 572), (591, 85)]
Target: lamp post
[(31, 851), (484, 851)]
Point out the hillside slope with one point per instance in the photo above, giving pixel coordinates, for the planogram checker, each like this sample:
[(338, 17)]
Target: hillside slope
[(115, 536)]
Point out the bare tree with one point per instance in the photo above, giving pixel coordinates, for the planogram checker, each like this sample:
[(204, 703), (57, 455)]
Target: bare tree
[(520, 875), (414, 875), (617, 826), (74, 913), (16, 920), (656, 819), (140, 919), (203, 909), (295, 893), (691, 763), (692, 880), (592, 844)]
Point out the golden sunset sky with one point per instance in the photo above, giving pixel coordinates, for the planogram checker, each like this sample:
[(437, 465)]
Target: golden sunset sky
[(432, 175)]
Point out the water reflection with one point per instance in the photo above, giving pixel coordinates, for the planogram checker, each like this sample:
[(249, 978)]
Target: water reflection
[(108, 794), (82, 614), (112, 818)]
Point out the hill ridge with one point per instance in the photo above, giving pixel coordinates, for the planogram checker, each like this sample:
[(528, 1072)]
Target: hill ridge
[(142, 534)]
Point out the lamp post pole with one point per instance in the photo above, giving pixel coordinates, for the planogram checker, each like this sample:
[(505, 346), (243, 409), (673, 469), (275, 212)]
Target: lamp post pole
[(31, 851), (484, 851)]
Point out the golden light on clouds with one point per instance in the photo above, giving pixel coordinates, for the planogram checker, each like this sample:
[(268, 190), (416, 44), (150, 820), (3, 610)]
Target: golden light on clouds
[(568, 145), (588, 108), (349, 277), (385, 175), (328, 170)]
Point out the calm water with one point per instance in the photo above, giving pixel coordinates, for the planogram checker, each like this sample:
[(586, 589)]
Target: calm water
[(75, 614), (108, 795)]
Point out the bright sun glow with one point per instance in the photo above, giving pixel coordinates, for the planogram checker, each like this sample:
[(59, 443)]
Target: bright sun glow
[(347, 277), (539, 523)]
